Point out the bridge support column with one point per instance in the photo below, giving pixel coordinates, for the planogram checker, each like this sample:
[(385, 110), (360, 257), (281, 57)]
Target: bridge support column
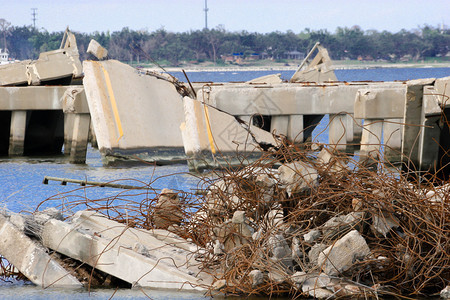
[(69, 120), (279, 125), (295, 128), (371, 142), (338, 132), (17, 133), (80, 138), (392, 135)]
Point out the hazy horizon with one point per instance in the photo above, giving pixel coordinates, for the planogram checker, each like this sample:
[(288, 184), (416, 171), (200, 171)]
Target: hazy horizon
[(261, 16)]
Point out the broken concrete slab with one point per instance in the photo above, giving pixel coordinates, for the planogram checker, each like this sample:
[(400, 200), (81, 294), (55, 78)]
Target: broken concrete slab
[(267, 79), (126, 113), (210, 135), (318, 69), (31, 259), (110, 247), (340, 256), (51, 65)]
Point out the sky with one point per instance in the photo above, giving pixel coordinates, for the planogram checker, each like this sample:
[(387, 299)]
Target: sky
[(234, 15)]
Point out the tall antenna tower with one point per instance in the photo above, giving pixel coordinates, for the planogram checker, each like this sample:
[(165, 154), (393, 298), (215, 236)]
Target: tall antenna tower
[(34, 16), (206, 14)]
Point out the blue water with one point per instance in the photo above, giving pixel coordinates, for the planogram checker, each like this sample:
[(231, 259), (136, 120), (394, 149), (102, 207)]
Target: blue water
[(379, 74), (21, 187)]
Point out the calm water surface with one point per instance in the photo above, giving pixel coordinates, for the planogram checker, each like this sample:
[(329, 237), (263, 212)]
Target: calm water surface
[(21, 187)]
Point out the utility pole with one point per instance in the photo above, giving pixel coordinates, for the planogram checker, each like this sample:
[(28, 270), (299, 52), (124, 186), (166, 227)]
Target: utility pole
[(206, 14), (34, 16)]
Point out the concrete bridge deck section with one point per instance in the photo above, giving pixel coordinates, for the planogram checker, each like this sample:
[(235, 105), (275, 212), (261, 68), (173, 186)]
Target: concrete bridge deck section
[(61, 64), (296, 108), (133, 114)]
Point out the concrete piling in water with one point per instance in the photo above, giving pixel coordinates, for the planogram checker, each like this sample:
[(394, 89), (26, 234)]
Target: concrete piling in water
[(69, 120), (80, 138), (279, 125), (17, 133), (295, 128)]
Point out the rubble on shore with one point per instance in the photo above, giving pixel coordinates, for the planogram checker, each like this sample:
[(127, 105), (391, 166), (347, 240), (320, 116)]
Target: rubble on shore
[(297, 222)]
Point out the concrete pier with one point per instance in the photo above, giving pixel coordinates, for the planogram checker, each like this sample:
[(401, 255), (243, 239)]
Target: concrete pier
[(17, 133), (286, 104), (39, 120)]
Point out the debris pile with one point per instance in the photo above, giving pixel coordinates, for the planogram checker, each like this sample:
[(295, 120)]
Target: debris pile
[(296, 222), (319, 228)]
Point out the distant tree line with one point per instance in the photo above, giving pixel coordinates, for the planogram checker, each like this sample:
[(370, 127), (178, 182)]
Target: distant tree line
[(128, 45)]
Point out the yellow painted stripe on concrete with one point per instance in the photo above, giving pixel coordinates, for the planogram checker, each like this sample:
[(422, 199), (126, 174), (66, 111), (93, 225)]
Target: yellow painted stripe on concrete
[(113, 101), (208, 128)]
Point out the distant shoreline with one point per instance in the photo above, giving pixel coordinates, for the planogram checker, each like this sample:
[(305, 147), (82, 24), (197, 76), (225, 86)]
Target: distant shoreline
[(337, 65)]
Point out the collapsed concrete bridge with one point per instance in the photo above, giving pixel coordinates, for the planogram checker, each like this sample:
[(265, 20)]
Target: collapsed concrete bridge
[(145, 116)]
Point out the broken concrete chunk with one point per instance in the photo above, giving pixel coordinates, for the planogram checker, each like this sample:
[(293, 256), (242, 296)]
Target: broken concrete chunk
[(297, 251), (311, 236), (49, 213), (315, 285), (332, 162), (18, 220), (140, 99), (274, 218), (257, 235), (264, 180), (267, 187), (218, 248), (238, 217), (279, 247), (298, 278), (445, 293), (51, 65), (31, 259), (313, 254), (257, 277), (357, 204), (267, 79), (342, 255), (233, 235), (298, 177), (97, 50), (277, 276), (340, 224), (383, 223), (219, 284), (167, 210)]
